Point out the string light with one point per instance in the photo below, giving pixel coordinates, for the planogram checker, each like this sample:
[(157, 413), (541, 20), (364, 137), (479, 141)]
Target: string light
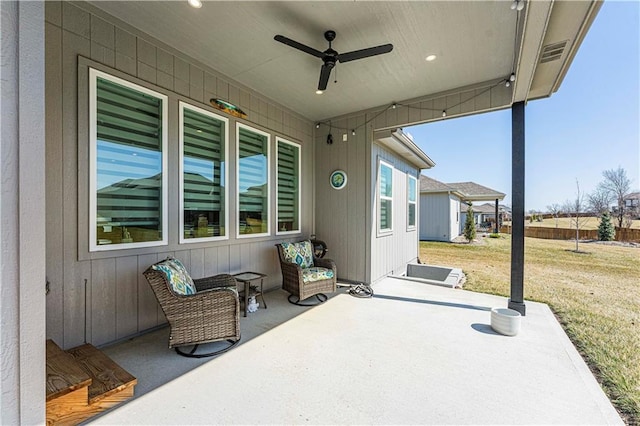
[(396, 105), (517, 5), (512, 77), (507, 83)]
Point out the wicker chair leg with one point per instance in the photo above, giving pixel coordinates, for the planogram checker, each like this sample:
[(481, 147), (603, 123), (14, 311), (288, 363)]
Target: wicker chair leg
[(320, 296), (192, 354)]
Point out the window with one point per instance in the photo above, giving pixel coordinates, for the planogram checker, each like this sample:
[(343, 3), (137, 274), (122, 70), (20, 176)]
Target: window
[(203, 170), (288, 178), (385, 195), (127, 178), (411, 203), (253, 181)]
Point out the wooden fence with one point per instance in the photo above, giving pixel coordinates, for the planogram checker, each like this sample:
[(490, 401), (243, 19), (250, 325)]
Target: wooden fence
[(622, 234)]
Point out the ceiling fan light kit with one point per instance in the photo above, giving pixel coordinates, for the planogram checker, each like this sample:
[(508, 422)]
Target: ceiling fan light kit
[(330, 57)]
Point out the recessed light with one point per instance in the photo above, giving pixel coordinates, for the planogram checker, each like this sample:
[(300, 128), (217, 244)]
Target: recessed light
[(195, 3), (431, 58), (319, 92)]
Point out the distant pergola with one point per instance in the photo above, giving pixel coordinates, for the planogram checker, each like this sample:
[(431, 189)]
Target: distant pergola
[(472, 192)]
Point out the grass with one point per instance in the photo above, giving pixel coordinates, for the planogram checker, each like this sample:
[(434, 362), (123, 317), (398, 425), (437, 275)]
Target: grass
[(565, 222), (595, 295)]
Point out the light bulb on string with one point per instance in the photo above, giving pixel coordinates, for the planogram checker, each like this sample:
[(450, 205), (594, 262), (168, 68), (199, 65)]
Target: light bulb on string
[(444, 112), (520, 5), (512, 77)]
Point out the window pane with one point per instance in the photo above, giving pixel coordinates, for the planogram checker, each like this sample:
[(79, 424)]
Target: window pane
[(385, 214), (203, 173), (412, 189), (253, 188), (386, 181), (129, 165), (412, 214), (288, 187)]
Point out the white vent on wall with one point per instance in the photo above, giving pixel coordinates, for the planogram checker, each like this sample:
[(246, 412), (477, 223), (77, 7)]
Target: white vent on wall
[(552, 52)]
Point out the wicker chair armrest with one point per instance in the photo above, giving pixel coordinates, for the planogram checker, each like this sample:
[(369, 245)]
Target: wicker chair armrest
[(179, 304), (216, 281), (324, 263)]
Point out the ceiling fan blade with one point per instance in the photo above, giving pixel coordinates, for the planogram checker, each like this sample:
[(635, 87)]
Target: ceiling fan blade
[(299, 46), (365, 53), (325, 72)]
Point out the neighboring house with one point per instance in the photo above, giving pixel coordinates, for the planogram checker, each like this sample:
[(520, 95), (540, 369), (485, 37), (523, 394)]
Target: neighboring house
[(132, 89), (443, 207), (439, 210), (482, 214), (632, 201)]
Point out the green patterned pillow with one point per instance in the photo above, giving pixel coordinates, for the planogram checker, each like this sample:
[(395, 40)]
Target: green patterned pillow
[(300, 253), (177, 276), (310, 275)]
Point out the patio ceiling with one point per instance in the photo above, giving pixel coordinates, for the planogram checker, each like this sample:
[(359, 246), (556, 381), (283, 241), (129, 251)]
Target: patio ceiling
[(475, 42)]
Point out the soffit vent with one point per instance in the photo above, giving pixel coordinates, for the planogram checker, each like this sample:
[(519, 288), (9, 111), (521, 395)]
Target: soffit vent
[(552, 52)]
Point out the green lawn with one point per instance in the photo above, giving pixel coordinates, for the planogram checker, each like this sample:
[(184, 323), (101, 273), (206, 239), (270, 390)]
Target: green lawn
[(596, 296)]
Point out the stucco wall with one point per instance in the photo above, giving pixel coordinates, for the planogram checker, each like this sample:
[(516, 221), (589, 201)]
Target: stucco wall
[(22, 224)]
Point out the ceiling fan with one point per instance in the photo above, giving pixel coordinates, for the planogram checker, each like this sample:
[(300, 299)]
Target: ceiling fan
[(330, 57)]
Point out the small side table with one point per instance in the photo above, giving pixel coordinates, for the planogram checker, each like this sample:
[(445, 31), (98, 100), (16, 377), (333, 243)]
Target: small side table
[(247, 278)]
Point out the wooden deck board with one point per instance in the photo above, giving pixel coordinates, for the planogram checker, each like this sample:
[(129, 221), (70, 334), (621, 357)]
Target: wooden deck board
[(63, 373), (108, 377)]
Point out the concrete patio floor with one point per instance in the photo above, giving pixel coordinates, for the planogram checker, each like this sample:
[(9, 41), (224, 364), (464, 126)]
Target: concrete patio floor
[(413, 354)]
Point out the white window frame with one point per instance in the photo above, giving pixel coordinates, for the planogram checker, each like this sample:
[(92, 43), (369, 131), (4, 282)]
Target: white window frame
[(414, 181), (384, 231), (237, 165), (182, 107), (93, 149), (299, 230)]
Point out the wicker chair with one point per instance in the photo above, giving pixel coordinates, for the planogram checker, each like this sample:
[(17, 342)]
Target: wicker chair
[(210, 314), (302, 280)]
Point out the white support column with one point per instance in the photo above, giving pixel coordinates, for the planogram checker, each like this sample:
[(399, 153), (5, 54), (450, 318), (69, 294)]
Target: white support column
[(22, 210)]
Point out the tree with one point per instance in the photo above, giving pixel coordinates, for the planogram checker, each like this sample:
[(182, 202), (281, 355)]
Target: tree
[(618, 185), (606, 231), (575, 210), (469, 226), (555, 209), (599, 201)]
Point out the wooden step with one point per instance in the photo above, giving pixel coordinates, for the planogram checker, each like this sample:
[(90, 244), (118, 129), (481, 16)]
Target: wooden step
[(82, 382), (64, 375), (108, 377)]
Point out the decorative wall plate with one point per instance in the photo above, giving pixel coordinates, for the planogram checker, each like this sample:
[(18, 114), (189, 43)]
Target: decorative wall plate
[(228, 108), (338, 179)]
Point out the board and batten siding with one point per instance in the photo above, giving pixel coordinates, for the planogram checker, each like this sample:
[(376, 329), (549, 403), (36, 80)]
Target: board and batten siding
[(102, 297), (438, 214), (390, 252)]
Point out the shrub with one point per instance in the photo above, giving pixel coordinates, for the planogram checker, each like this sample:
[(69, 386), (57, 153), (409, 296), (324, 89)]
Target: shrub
[(494, 235), (469, 226), (606, 231)]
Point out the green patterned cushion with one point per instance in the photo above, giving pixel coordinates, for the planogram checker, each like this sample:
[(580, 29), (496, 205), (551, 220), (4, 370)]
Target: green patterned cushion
[(310, 275), (177, 276), (300, 253)]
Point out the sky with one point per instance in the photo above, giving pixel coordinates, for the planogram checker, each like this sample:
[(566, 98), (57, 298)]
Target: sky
[(591, 124)]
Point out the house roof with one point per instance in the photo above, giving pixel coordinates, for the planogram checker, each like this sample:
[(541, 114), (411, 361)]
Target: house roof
[(482, 208), (632, 196), (467, 191), (472, 191), (478, 45), (431, 185)]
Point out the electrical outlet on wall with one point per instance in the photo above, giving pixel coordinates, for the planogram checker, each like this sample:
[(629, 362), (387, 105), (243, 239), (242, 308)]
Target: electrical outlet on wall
[(344, 137)]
